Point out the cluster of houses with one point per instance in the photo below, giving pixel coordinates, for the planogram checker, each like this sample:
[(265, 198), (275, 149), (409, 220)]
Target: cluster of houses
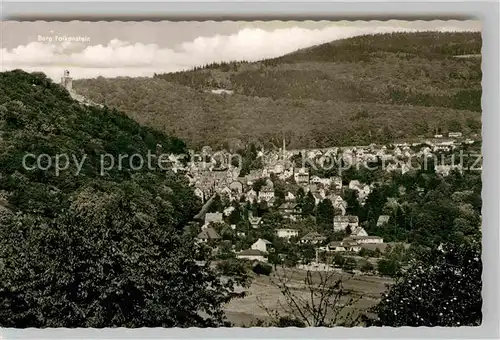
[(209, 180), (209, 175), (358, 237), (356, 240)]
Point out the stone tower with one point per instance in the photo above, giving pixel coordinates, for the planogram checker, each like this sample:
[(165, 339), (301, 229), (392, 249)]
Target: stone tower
[(67, 81), (284, 147)]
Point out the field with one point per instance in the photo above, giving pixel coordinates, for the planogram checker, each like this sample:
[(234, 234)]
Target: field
[(264, 294)]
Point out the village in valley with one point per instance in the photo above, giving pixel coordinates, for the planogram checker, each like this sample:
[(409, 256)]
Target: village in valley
[(299, 207), (286, 209), (308, 173)]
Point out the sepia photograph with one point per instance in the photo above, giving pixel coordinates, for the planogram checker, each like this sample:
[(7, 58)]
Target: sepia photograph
[(240, 174)]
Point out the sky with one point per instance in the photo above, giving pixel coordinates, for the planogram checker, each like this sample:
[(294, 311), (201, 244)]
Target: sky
[(114, 49)]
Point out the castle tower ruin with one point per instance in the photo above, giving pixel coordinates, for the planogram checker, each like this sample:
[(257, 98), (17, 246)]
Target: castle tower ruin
[(67, 81), (284, 147)]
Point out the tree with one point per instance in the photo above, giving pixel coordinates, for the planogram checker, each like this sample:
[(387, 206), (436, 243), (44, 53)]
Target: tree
[(366, 267), (325, 212), (237, 269), (217, 205), (235, 215), (279, 193), (338, 260), (225, 250), (109, 261), (351, 198), (258, 184), (300, 196), (308, 204), (262, 269), (349, 264), (95, 250), (441, 288), (307, 253), (388, 267)]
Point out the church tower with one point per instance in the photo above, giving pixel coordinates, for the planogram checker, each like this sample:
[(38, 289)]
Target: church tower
[(284, 146), (67, 81)]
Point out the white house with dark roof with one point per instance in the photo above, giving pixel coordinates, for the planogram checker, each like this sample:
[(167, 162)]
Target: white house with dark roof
[(313, 238), (199, 193), (301, 176), (208, 234), (341, 222), (228, 210), (290, 197), (251, 195), (216, 217), (289, 210), (356, 243), (266, 193), (261, 244), (254, 221), (354, 184), (336, 246), (252, 255), (382, 219), (287, 232), (358, 231), (365, 239)]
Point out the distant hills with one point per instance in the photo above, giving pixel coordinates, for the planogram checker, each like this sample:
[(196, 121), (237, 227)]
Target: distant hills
[(372, 88)]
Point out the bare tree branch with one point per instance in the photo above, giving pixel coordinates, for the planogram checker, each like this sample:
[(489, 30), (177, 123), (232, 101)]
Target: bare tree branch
[(323, 302)]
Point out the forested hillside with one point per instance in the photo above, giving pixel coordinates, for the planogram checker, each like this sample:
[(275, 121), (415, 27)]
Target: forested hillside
[(353, 91), (92, 250)]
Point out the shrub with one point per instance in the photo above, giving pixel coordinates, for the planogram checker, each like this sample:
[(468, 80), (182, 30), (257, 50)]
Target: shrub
[(338, 260), (388, 267), (262, 269), (442, 288), (286, 321), (349, 264), (366, 266)]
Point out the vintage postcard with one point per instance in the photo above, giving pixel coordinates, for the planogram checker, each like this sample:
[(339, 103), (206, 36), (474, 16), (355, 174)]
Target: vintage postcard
[(240, 174)]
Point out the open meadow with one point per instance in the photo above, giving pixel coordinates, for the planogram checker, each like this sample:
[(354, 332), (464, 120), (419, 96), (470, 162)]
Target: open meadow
[(263, 293)]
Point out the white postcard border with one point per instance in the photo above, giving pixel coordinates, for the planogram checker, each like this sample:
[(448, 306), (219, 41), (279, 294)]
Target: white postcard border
[(487, 12)]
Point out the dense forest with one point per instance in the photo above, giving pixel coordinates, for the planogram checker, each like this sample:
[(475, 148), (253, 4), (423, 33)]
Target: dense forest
[(93, 250), (372, 88)]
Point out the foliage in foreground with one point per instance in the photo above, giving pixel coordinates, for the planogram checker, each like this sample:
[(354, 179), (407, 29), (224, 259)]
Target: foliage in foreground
[(442, 288), (92, 250)]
